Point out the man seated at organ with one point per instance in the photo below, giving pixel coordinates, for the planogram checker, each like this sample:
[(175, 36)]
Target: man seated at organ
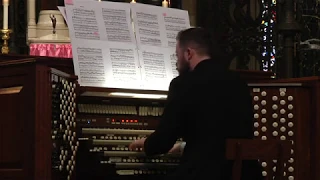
[(205, 106)]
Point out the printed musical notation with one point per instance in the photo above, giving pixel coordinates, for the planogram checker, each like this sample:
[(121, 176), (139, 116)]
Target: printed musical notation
[(108, 51), (157, 26)]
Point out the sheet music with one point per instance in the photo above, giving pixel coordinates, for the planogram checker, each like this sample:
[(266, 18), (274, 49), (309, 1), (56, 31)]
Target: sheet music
[(124, 66), (155, 68), (89, 63), (72, 2), (106, 21), (174, 22), (101, 34), (147, 25), (107, 53), (84, 24), (101, 64), (62, 9), (157, 26), (156, 30)]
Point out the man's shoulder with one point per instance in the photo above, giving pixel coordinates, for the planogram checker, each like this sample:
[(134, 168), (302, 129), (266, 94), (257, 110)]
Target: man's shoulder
[(179, 85), (180, 80)]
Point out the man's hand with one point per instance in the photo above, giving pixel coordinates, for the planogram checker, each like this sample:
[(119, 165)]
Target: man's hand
[(137, 144), (175, 149)]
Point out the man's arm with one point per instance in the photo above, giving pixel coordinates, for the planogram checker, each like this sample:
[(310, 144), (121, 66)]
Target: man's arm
[(178, 148), (169, 128)]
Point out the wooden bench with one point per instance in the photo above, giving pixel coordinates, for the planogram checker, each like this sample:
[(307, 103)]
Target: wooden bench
[(244, 149)]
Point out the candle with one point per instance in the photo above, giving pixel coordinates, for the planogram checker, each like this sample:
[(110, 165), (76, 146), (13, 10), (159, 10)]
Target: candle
[(165, 3), (5, 13), (5, 2), (133, 1)]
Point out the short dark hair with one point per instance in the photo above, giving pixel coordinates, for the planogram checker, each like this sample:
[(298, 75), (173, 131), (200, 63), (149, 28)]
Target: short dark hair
[(198, 38)]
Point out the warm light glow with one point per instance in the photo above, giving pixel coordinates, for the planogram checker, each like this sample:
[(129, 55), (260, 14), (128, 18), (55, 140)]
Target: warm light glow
[(5, 13), (11, 90), (133, 1), (165, 3), (124, 94), (5, 2), (142, 96)]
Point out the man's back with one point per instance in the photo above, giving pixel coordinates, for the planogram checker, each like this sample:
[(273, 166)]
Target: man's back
[(216, 105)]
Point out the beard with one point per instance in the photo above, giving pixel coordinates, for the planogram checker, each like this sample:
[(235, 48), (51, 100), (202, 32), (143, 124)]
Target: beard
[(183, 67)]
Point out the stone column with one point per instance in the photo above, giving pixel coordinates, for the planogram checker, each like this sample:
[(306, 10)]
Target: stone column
[(288, 27)]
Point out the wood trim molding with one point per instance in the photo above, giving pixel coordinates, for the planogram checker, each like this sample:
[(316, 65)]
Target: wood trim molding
[(11, 90)]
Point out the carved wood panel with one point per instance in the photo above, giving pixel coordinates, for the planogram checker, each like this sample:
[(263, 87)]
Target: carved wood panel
[(15, 125)]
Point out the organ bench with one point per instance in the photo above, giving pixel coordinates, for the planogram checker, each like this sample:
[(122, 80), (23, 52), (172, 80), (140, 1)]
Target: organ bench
[(50, 127), (248, 149)]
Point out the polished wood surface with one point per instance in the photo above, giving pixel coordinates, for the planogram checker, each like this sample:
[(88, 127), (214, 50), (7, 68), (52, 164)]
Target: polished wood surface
[(62, 64), (25, 131), (255, 76), (13, 154)]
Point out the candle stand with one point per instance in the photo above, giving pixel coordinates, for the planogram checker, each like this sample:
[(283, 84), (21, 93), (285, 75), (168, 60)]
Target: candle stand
[(5, 37)]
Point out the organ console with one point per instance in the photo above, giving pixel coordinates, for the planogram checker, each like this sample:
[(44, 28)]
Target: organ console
[(111, 122), (51, 128)]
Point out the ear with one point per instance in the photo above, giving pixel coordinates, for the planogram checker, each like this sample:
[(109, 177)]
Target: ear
[(190, 53), (189, 50)]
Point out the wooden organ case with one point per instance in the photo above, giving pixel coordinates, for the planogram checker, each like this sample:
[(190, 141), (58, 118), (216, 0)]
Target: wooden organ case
[(37, 128), (93, 126)]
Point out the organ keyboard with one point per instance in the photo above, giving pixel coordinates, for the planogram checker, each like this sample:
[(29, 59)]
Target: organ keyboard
[(110, 124)]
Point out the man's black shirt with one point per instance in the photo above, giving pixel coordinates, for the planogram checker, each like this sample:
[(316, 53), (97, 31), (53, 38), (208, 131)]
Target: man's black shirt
[(205, 107)]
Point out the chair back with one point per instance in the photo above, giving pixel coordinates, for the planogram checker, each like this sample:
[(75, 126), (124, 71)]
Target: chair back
[(249, 149)]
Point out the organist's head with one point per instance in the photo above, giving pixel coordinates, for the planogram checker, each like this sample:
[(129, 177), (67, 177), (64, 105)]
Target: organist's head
[(193, 46)]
